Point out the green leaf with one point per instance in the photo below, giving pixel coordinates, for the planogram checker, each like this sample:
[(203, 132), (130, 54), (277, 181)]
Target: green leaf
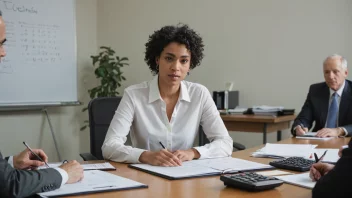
[(104, 47), (123, 59), (123, 78), (84, 109), (86, 121), (82, 128), (101, 72), (95, 59)]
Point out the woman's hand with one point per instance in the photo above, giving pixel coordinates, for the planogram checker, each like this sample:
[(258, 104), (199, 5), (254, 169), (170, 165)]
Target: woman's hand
[(160, 158), (187, 155)]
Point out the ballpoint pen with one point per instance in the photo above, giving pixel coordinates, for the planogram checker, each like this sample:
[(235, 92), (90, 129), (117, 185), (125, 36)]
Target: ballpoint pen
[(319, 159), (302, 127), (37, 156), (162, 145)]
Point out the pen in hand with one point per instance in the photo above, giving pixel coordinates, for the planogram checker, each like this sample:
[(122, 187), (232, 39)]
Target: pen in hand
[(37, 156), (319, 159), (162, 145), (303, 128)]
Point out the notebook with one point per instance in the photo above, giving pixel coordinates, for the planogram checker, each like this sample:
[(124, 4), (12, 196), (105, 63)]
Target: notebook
[(201, 168), (95, 181)]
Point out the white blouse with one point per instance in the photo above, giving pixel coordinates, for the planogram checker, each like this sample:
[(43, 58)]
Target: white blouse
[(142, 113)]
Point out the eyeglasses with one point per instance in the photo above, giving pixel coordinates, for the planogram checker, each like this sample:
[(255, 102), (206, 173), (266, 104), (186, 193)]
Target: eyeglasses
[(2, 43)]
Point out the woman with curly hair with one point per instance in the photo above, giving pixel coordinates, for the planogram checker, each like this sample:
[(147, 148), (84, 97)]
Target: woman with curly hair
[(163, 116)]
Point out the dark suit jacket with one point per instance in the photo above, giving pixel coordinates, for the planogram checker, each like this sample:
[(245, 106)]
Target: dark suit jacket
[(337, 182), (315, 108), (23, 183)]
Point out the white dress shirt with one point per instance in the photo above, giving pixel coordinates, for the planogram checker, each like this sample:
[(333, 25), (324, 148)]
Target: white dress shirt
[(62, 172), (142, 113)]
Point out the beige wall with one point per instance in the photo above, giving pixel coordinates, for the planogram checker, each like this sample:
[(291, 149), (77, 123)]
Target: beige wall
[(272, 50), (33, 127)]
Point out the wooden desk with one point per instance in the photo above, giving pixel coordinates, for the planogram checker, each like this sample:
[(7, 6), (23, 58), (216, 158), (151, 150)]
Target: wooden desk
[(258, 124), (208, 186)]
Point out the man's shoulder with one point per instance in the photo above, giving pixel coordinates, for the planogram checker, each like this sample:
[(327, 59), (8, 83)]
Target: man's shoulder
[(321, 85)]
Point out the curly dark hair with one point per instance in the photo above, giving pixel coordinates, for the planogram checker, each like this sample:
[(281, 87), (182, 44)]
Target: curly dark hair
[(181, 34)]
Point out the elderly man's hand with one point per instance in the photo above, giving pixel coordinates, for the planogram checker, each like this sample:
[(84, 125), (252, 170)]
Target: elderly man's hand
[(330, 132)]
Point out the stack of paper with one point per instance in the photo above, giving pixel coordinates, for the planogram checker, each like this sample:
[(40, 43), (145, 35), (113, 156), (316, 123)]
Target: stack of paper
[(302, 180), (285, 150), (237, 110), (267, 110)]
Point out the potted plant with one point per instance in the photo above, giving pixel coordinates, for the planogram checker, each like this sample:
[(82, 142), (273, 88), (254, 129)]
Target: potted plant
[(108, 70)]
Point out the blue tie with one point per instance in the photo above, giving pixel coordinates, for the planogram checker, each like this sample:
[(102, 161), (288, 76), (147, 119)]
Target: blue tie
[(332, 114)]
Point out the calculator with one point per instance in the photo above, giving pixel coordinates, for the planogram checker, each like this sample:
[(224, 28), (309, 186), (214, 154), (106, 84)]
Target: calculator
[(293, 163), (250, 181)]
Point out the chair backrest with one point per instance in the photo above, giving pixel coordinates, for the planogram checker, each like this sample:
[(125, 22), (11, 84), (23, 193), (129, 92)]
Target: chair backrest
[(202, 137), (101, 111)]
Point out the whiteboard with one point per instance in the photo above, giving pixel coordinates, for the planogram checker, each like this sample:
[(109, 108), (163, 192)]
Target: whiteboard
[(41, 63)]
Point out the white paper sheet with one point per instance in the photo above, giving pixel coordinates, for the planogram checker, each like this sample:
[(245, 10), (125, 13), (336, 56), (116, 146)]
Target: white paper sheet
[(309, 135), (302, 180), (331, 156), (96, 166), (95, 181), (285, 150), (204, 167)]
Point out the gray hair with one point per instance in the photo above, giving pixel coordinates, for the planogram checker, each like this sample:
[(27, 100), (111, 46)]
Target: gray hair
[(343, 60)]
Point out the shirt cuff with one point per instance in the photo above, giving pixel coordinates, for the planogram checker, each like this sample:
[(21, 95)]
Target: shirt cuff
[(136, 153), (202, 152), (63, 174), (346, 133), (344, 146), (10, 161)]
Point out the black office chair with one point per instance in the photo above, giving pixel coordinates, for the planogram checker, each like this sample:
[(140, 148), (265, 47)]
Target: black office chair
[(101, 111), (204, 140)]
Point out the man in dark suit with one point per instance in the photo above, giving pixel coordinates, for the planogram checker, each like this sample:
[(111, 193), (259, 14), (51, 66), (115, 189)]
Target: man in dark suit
[(16, 180), (333, 181), (328, 104)]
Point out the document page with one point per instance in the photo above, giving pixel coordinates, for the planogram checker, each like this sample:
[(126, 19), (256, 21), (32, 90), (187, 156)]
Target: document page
[(312, 136), (302, 180), (96, 166), (95, 181), (230, 163), (212, 166), (285, 150), (331, 156), (187, 169)]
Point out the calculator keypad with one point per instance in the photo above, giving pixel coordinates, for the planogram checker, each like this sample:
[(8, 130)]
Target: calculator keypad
[(250, 181), (293, 163)]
